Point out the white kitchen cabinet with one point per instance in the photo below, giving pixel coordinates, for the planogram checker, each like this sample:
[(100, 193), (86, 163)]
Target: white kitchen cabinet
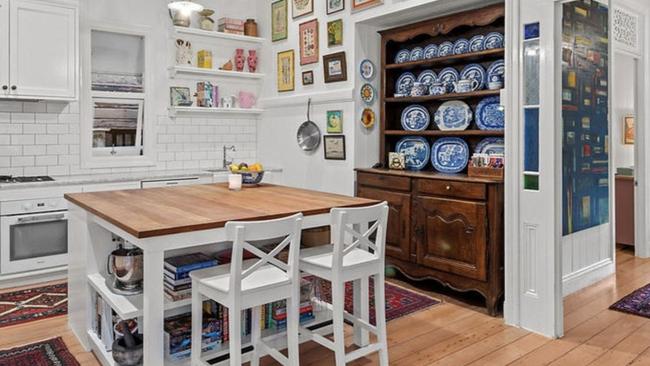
[(42, 52)]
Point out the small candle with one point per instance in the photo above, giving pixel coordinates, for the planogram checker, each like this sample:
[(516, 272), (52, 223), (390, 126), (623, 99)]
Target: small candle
[(234, 182)]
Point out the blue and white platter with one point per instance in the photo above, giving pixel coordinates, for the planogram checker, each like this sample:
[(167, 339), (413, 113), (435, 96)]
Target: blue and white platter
[(454, 115), (461, 46), (474, 72), (427, 77), (491, 146), (448, 76), (402, 56), (415, 118), (416, 54), (430, 51), (496, 71), (476, 43), (493, 40), (404, 83), (490, 115), (416, 151), (367, 70), (445, 49), (449, 155)]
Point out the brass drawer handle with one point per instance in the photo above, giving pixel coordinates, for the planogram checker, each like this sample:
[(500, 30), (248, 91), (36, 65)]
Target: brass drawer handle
[(448, 187)]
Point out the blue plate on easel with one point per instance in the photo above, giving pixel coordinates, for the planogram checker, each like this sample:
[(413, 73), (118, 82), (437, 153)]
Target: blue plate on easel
[(445, 49), (402, 56), (474, 72), (415, 118), (491, 146), (448, 76), (416, 151), (430, 51), (404, 84), (490, 114), (449, 155), (461, 46), (476, 43)]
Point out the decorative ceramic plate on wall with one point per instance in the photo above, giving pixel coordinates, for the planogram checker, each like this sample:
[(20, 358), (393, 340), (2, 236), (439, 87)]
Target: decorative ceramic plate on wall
[(367, 70), (461, 46), (454, 115), (493, 40), (367, 93), (416, 151), (449, 155), (368, 118), (416, 54), (448, 77), (402, 56), (474, 72), (445, 49), (491, 146), (430, 51), (490, 115), (476, 43), (415, 118), (404, 83), (427, 77)]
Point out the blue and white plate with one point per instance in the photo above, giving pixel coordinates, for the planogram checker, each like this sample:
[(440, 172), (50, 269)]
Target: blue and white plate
[(461, 46), (416, 151), (496, 71), (404, 83), (493, 40), (491, 146), (416, 54), (475, 72), (427, 77), (402, 56), (430, 51), (445, 49), (449, 155), (476, 43), (448, 76), (454, 115), (367, 70), (415, 118), (490, 115)]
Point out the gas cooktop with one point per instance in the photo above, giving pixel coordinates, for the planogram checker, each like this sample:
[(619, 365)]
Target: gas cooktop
[(11, 179)]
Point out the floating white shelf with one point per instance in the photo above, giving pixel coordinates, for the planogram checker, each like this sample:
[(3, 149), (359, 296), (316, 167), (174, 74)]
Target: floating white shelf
[(191, 70), (203, 110), (216, 35)]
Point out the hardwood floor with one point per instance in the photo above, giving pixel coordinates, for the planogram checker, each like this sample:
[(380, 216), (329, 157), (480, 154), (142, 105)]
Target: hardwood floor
[(456, 334)]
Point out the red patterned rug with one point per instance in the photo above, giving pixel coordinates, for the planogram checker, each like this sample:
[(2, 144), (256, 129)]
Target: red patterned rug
[(637, 303), (52, 352), (31, 304), (399, 301)]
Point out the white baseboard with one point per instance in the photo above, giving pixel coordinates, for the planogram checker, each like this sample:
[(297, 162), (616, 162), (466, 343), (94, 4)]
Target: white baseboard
[(587, 276)]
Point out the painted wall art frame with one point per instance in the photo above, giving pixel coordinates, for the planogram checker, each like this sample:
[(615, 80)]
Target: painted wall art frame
[(308, 32), (301, 8), (279, 20), (358, 5), (286, 71), (334, 6), (335, 67)]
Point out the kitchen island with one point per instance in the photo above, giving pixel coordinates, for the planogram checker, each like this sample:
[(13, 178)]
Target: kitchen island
[(168, 221)]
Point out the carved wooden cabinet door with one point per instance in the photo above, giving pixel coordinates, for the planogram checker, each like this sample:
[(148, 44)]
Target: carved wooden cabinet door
[(451, 236), (398, 234)]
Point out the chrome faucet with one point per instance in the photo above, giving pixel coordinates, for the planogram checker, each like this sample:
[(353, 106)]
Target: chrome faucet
[(226, 162)]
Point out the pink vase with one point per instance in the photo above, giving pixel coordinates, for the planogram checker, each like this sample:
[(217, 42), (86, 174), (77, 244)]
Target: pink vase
[(252, 60), (240, 60)]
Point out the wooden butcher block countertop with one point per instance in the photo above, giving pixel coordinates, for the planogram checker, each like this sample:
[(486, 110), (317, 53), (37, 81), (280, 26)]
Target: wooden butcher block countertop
[(153, 212)]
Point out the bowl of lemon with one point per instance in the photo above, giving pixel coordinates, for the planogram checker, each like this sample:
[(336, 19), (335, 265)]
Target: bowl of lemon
[(251, 175)]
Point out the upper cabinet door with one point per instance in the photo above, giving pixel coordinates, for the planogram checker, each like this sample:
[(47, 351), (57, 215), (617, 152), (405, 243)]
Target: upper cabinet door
[(4, 47), (43, 50)]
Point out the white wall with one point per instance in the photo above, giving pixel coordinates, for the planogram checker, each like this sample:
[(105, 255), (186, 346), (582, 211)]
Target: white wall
[(625, 96)]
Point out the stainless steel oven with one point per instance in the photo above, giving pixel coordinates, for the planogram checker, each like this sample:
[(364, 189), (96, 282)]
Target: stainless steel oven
[(33, 235)]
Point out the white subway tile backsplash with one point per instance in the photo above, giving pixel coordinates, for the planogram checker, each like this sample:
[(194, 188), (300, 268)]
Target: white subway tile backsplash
[(34, 128), (47, 160), (34, 150), (22, 139), (23, 118), (22, 161)]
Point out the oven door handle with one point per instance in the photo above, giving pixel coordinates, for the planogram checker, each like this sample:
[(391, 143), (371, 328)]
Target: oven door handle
[(43, 218)]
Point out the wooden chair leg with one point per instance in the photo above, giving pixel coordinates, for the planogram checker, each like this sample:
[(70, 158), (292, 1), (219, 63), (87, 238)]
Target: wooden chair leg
[(380, 317), (338, 307), (234, 328), (197, 324), (256, 333)]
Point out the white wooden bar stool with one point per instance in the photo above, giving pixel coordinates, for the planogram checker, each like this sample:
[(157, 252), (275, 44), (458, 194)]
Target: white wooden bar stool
[(352, 256), (251, 283)]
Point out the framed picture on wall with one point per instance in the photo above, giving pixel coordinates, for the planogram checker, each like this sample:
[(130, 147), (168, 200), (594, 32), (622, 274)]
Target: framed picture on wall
[(365, 4), (301, 8), (308, 32), (286, 71), (335, 121), (629, 132), (334, 6), (335, 67), (334, 147), (279, 20), (308, 77), (335, 33), (180, 96)]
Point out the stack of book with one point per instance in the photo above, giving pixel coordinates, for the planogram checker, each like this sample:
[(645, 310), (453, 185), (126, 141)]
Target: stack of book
[(231, 25), (278, 318), (178, 335), (178, 284)]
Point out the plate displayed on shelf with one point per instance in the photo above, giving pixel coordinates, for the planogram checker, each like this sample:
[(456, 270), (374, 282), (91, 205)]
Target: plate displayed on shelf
[(427, 77), (449, 155), (416, 151), (430, 51), (454, 115), (367, 93), (476, 43), (474, 72), (461, 46), (493, 40), (415, 118), (490, 115), (496, 71), (445, 49), (402, 56), (448, 76), (491, 146), (416, 54), (404, 83), (367, 70)]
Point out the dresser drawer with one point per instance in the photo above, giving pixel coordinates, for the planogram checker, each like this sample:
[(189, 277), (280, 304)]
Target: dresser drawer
[(390, 182), (475, 191)]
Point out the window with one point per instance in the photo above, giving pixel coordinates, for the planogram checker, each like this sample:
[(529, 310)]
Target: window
[(531, 107)]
